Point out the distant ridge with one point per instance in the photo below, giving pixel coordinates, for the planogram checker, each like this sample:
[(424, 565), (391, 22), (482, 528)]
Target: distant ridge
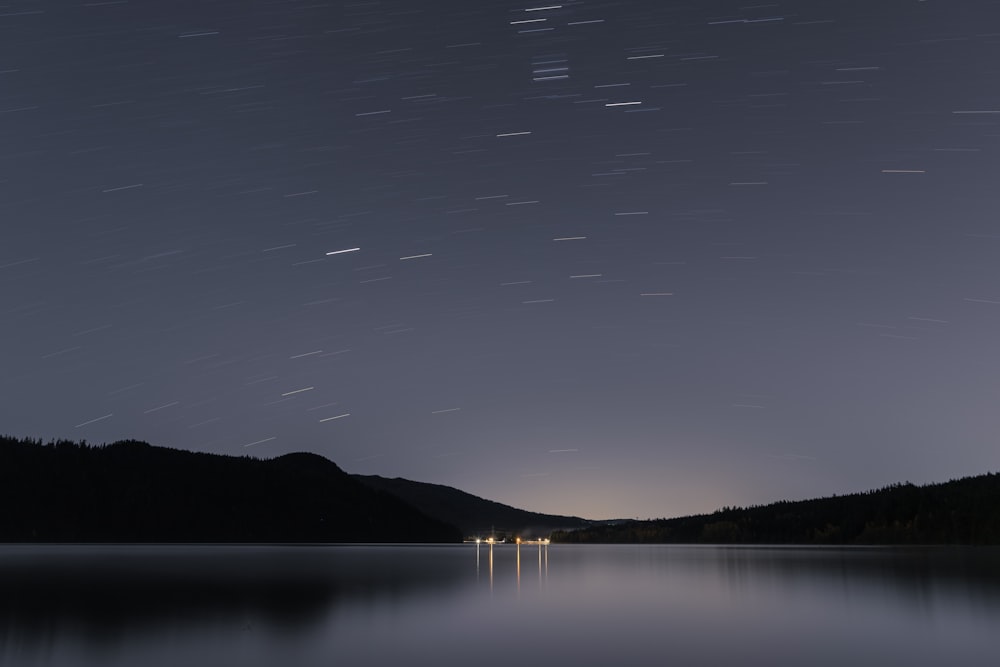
[(962, 511), (473, 515), (131, 491)]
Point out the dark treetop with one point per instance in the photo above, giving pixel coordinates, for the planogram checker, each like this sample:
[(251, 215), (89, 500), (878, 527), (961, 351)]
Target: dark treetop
[(964, 511), (133, 492)]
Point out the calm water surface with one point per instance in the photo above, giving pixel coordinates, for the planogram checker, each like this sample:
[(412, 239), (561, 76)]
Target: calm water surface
[(444, 605)]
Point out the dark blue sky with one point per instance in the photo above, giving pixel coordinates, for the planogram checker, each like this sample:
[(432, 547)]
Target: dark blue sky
[(636, 258)]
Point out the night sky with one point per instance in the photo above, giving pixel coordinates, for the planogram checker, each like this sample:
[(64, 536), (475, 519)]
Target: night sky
[(633, 258)]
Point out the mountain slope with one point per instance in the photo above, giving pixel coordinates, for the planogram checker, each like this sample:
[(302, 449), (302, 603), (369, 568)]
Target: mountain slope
[(473, 515), (964, 511), (134, 492)]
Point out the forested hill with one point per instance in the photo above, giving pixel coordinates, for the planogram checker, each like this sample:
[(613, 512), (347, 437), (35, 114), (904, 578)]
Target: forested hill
[(134, 492), (963, 511), (472, 514)]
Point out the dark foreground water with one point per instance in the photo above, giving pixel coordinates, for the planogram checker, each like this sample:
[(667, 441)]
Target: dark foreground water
[(441, 605)]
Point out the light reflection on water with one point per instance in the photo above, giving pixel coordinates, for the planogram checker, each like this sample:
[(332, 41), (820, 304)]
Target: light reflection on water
[(452, 604), (543, 557)]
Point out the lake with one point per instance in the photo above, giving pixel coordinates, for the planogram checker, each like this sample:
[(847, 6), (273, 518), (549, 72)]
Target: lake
[(454, 605)]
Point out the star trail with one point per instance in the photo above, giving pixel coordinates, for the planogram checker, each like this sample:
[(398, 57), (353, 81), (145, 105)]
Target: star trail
[(610, 259)]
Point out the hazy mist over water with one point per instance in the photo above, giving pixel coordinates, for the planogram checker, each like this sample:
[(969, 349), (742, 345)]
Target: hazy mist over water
[(443, 605)]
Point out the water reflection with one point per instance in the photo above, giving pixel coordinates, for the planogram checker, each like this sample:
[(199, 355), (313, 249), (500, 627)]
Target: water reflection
[(106, 593), (543, 556), (432, 604)]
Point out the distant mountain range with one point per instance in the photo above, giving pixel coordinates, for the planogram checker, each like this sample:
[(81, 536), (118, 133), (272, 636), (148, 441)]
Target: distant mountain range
[(471, 514), (962, 511), (131, 491), (134, 492)]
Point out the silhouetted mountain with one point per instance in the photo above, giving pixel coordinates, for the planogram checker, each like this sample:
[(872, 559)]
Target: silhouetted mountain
[(472, 514), (963, 511), (133, 492)]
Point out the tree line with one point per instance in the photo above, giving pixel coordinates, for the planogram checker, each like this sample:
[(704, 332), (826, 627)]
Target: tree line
[(962, 511), (130, 491)]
